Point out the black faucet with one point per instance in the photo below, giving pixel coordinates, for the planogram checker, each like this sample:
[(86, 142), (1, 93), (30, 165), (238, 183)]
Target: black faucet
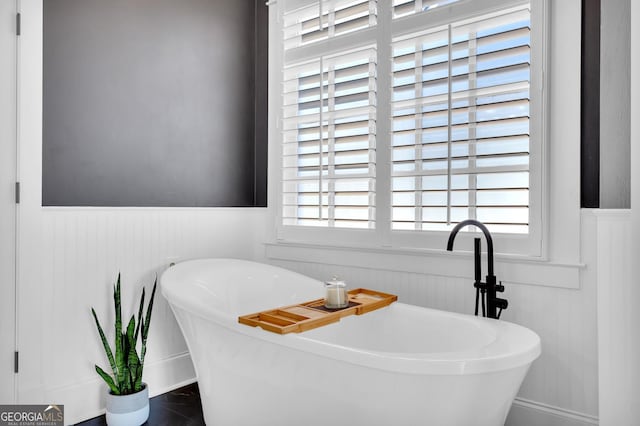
[(488, 288)]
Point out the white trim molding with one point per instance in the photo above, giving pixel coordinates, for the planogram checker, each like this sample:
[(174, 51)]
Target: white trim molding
[(510, 269), (524, 410)]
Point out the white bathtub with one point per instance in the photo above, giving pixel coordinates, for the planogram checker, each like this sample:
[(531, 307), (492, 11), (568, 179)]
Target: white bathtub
[(400, 365)]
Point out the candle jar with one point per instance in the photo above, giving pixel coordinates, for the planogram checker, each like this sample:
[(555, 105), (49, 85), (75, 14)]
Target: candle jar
[(336, 294)]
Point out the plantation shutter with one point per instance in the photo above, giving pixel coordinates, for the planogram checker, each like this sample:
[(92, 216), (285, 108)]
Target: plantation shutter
[(328, 117), (460, 124), (329, 141), (326, 19)]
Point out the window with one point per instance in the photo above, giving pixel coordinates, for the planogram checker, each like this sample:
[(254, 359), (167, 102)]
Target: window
[(404, 118)]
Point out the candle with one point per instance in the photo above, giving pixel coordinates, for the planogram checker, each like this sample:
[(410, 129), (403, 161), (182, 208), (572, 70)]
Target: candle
[(336, 296)]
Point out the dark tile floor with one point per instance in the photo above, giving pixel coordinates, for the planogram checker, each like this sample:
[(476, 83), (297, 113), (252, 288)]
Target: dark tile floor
[(180, 407)]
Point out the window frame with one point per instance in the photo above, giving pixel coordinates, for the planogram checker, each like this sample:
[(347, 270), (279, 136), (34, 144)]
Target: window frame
[(534, 244)]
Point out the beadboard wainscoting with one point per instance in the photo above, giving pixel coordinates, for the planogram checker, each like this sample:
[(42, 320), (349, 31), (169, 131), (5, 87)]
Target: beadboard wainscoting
[(72, 262), (616, 319), (562, 385)]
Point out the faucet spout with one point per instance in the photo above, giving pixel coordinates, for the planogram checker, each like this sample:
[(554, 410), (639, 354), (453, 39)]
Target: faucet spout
[(487, 236)]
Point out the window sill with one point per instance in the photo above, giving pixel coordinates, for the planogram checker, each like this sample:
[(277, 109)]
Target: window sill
[(511, 269)]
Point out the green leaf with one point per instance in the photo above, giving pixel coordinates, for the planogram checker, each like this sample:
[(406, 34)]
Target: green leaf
[(138, 383), (130, 330), (109, 380), (105, 344), (140, 315), (143, 345), (147, 322), (133, 362), (145, 326), (126, 383), (120, 363), (134, 367)]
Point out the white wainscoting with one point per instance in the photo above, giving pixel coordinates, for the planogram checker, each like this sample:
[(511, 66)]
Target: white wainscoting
[(616, 324), (71, 265), (562, 385)]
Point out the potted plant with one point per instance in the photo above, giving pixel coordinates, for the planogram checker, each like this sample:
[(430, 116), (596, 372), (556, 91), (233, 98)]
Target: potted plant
[(128, 397)]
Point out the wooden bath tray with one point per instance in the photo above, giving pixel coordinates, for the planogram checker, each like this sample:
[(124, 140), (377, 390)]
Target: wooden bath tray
[(309, 315)]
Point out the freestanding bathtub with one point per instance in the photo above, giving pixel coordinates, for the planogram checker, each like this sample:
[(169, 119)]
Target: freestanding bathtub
[(399, 365)]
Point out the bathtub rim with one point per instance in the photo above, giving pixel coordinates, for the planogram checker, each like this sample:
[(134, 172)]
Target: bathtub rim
[(439, 363)]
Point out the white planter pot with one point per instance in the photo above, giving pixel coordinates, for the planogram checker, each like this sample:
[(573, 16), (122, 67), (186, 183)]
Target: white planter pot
[(128, 410)]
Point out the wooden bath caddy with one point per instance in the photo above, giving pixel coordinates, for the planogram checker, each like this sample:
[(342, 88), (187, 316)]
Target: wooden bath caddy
[(309, 315)]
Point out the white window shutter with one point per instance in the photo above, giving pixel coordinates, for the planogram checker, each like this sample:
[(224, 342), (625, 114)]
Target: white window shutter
[(329, 135), (460, 142), (325, 19)]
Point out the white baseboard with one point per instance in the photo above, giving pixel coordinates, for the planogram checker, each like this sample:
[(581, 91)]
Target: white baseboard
[(85, 400), (169, 374), (525, 412)]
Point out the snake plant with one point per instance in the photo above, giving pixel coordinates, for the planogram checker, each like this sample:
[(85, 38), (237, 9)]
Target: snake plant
[(125, 363)]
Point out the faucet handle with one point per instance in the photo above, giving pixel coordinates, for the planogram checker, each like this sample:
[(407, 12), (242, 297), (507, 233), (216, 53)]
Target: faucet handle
[(500, 287), (501, 303)]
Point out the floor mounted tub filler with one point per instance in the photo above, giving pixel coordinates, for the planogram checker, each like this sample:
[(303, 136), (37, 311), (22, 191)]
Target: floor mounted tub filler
[(399, 365)]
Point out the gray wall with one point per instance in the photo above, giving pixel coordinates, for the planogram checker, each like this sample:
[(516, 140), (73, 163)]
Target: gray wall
[(154, 103), (614, 104)]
